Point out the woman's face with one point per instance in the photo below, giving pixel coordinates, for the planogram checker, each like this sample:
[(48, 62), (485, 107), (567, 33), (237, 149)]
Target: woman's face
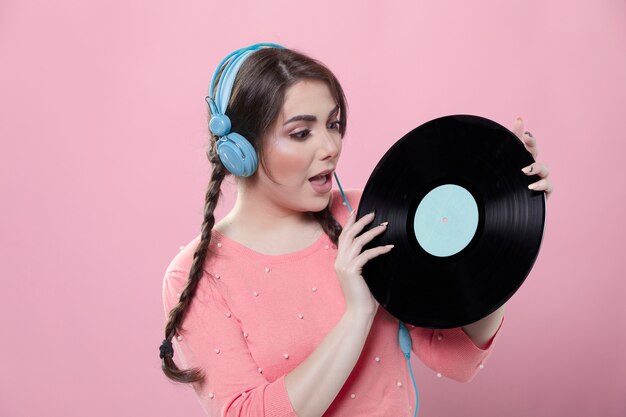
[(303, 142)]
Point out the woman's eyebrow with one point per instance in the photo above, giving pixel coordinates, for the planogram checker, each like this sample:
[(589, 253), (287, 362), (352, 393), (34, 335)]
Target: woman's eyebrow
[(310, 118)]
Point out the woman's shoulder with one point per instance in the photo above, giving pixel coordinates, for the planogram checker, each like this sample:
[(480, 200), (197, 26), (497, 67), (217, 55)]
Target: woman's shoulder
[(182, 257), (338, 206), (183, 260), (177, 271)]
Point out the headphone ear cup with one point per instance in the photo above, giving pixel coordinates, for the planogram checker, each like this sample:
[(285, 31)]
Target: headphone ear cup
[(237, 155)]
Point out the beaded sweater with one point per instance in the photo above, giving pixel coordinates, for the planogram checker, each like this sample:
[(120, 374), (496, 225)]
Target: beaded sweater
[(255, 317)]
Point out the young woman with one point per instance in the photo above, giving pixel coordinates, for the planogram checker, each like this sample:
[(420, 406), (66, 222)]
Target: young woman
[(267, 309)]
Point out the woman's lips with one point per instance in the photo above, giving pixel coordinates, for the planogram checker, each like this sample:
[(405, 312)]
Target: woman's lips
[(322, 183)]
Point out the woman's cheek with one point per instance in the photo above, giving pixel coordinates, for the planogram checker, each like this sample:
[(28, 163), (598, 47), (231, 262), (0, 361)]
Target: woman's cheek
[(288, 161)]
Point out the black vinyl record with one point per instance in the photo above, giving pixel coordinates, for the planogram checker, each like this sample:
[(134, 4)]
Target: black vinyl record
[(466, 228)]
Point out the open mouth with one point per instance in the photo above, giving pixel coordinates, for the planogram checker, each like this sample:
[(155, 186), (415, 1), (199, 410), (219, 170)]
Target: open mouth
[(320, 179), (322, 183)]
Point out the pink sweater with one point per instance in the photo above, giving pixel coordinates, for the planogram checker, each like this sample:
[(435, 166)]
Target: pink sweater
[(255, 317)]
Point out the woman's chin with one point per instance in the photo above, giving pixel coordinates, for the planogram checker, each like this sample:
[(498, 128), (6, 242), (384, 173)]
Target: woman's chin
[(321, 203)]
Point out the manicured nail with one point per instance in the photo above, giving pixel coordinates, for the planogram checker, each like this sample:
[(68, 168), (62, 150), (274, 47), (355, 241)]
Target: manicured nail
[(532, 186), (384, 223), (389, 246)]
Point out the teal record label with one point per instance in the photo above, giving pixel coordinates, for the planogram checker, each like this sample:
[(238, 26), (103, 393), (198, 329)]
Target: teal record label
[(446, 220)]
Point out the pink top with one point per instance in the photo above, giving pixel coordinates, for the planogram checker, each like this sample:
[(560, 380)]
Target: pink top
[(255, 317)]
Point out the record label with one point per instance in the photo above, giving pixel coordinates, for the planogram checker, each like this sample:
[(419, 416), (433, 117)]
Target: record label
[(445, 220)]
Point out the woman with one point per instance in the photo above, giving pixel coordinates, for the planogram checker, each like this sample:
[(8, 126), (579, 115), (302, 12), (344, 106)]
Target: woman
[(267, 308)]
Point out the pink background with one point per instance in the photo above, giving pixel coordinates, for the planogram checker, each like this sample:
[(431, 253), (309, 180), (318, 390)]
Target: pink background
[(103, 174)]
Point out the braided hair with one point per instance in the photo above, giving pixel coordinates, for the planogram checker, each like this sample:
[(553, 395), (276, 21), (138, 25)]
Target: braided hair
[(256, 101)]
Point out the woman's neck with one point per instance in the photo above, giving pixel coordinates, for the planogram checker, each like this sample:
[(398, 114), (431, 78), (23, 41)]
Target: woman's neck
[(262, 225)]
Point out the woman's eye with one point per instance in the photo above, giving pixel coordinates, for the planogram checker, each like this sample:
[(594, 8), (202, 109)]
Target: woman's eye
[(334, 124), (301, 134)]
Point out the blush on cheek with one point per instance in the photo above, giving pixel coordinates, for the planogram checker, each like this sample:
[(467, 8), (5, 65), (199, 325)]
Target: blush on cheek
[(287, 163)]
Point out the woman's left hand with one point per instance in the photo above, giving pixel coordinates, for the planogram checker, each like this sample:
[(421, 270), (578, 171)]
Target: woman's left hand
[(536, 168)]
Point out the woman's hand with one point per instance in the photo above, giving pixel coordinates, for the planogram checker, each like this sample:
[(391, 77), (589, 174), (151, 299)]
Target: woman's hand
[(535, 168), (350, 261), (315, 382)]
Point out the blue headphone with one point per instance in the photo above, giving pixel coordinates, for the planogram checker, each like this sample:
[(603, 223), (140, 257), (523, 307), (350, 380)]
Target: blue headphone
[(236, 152)]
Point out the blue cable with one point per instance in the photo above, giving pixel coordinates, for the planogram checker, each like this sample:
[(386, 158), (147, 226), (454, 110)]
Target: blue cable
[(342, 193), (414, 387), (405, 344)]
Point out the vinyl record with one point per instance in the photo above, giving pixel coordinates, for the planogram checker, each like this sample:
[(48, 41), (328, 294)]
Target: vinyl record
[(465, 226)]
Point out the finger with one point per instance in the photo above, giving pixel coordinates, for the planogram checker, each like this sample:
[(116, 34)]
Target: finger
[(364, 238), (518, 128), (347, 226), (351, 219), (356, 228), (537, 168), (530, 143), (542, 185), (369, 254)]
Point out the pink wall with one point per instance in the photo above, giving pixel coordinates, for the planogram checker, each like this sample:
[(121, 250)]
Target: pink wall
[(103, 176)]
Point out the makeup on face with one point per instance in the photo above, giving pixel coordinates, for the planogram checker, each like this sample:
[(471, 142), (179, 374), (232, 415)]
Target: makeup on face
[(303, 151)]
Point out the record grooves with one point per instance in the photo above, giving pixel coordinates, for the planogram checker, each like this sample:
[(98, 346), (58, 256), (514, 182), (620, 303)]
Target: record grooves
[(466, 228)]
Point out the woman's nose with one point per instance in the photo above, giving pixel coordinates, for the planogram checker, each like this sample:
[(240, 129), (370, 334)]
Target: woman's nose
[(331, 146)]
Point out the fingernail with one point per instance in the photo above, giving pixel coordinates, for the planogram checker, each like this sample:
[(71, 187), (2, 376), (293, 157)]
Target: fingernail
[(372, 213), (519, 118), (532, 186), (352, 212), (389, 246), (384, 223)]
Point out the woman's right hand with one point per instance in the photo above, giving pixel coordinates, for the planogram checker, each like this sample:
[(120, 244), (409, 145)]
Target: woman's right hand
[(350, 261), (315, 382)]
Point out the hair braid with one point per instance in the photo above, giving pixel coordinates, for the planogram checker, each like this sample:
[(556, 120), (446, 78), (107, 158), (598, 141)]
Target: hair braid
[(177, 314), (330, 226)]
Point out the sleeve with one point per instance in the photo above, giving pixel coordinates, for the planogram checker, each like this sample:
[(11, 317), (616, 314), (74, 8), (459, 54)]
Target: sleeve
[(450, 352), (211, 339)]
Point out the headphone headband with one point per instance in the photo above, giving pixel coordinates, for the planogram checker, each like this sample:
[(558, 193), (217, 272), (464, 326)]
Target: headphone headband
[(219, 103)]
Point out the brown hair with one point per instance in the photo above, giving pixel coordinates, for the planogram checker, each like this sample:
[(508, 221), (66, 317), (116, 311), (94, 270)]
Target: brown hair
[(257, 98)]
